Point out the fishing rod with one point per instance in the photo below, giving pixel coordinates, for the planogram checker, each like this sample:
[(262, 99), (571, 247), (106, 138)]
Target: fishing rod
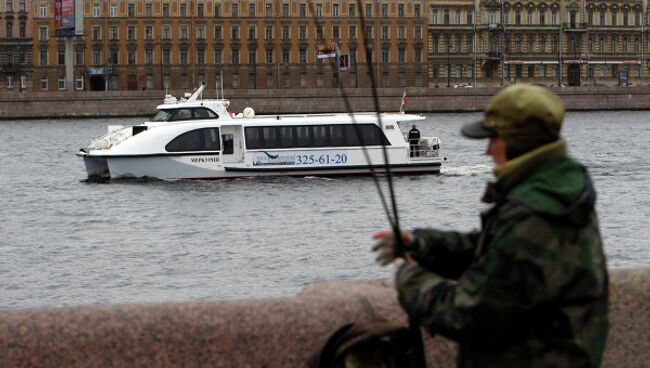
[(393, 218)]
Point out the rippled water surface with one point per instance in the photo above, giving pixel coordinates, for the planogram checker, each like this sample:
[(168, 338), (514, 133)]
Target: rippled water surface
[(67, 242)]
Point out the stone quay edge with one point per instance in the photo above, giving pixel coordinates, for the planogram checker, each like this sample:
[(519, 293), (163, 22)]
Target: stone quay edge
[(44, 105), (278, 332)]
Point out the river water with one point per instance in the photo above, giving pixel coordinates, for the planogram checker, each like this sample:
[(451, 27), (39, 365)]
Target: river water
[(64, 241)]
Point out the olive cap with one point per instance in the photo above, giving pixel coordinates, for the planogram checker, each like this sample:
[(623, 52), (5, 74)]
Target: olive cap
[(522, 114)]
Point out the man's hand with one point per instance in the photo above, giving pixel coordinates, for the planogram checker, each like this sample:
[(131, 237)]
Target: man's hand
[(387, 248)]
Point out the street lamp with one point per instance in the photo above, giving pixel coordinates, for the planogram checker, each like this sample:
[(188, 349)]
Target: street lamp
[(448, 64)]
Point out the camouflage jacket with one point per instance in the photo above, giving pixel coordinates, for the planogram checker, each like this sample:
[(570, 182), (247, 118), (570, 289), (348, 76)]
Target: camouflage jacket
[(528, 290)]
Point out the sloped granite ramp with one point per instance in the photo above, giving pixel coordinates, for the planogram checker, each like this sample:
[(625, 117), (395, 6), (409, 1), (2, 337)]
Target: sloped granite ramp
[(278, 332)]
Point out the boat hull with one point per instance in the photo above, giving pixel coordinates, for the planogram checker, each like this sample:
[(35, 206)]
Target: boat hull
[(210, 168)]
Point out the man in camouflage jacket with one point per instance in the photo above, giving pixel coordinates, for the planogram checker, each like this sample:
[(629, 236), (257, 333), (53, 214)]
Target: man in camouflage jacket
[(530, 289)]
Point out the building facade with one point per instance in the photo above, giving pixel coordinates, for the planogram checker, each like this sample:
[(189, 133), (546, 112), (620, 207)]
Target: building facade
[(552, 42), (15, 45), (179, 44)]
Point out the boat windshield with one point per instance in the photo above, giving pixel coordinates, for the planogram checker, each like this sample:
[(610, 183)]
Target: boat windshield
[(185, 114), (163, 115)]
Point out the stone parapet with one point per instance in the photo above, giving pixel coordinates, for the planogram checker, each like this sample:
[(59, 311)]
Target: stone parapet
[(278, 332), (314, 100)]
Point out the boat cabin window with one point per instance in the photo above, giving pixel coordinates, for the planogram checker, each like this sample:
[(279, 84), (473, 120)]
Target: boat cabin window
[(193, 113), (329, 135), (206, 139)]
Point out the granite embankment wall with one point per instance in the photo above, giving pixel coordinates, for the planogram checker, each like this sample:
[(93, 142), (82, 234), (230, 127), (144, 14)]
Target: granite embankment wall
[(142, 103), (260, 333)]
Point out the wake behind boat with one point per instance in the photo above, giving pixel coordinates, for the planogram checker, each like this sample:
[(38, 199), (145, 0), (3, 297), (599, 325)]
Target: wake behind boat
[(198, 138)]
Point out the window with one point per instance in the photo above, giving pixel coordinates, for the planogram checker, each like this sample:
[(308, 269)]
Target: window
[(286, 32), (614, 17), (166, 56), (183, 32), (268, 10), (114, 33), (79, 57), (286, 55), (336, 33), (368, 10), (252, 32), (269, 56), (44, 83), (303, 56), (235, 81), (385, 55), (235, 10), (218, 56), (458, 17), (115, 57), (352, 10), (200, 56), (434, 16), (148, 56), (302, 10), (400, 10), (183, 55), (97, 57), (113, 10), (61, 82), (167, 32), (384, 32), (335, 10), (199, 10), (470, 17), (131, 10), (217, 32), (42, 33), (401, 55), (542, 17), (79, 82), (319, 10), (148, 32), (234, 32), (417, 55), (285, 10), (165, 9), (327, 135), (206, 139), (183, 10), (130, 32), (42, 10), (217, 10), (200, 33), (96, 11), (401, 32), (10, 27), (148, 10), (60, 56), (352, 32), (251, 10), (252, 56), (302, 32), (131, 57), (384, 10), (234, 58), (268, 32)]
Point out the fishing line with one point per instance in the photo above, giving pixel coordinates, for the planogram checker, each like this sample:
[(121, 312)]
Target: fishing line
[(392, 217), (416, 336)]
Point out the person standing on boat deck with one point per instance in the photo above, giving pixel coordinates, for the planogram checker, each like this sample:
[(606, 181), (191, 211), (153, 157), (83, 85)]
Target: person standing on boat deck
[(530, 288), (414, 141)]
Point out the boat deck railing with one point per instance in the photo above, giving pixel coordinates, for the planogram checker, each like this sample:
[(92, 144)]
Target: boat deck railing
[(424, 148)]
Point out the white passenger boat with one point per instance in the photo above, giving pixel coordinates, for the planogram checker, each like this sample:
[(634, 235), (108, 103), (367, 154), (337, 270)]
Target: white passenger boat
[(198, 138)]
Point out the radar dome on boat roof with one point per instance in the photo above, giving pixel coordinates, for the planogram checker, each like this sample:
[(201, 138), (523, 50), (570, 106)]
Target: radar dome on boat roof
[(249, 112)]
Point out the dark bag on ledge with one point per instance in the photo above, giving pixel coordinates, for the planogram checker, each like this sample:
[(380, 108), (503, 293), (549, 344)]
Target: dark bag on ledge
[(370, 344)]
